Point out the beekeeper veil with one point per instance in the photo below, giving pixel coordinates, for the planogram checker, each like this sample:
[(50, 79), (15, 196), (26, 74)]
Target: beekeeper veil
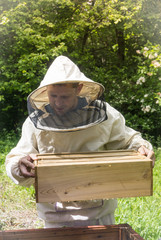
[(88, 110)]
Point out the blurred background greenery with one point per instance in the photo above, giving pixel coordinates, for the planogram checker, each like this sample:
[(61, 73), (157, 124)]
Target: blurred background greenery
[(114, 42)]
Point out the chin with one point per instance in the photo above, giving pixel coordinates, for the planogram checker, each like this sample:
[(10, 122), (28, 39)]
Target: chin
[(60, 113)]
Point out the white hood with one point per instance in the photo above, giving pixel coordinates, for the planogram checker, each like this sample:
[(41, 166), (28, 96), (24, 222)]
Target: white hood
[(63, 71)]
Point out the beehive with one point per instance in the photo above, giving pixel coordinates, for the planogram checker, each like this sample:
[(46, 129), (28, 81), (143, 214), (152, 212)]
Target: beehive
[(92, 175), (110, 232)]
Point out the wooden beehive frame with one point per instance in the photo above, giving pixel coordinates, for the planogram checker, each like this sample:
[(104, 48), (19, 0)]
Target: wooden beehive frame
[(92, 175)]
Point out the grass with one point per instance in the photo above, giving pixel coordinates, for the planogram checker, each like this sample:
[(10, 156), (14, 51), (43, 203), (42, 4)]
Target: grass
[(18, 208), (17, 203), (144, 213)]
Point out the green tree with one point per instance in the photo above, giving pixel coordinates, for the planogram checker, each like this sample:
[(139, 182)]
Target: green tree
[(101, 36)]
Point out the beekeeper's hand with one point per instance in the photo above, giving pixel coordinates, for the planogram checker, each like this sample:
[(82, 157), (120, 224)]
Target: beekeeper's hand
[(148, 153), (26, 166)]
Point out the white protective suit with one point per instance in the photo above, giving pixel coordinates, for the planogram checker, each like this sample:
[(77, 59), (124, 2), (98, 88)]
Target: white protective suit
[(104, 131)]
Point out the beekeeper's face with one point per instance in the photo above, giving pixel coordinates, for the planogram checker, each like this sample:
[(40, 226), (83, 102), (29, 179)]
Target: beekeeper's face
[(63, 97)]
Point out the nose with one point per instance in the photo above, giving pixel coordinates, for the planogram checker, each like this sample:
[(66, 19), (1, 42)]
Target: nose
[(58, 102)]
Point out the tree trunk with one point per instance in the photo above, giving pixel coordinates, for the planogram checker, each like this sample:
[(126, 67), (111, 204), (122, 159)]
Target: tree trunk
[(121, 45)]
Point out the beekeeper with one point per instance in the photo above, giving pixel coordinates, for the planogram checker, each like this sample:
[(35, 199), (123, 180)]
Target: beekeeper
[(65, 115)]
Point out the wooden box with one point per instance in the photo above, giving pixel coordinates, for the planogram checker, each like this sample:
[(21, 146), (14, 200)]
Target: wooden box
[(92, 175), (110, 232)]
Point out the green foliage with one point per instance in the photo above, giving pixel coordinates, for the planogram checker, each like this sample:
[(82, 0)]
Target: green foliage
[(158, 97), (8, 140), (135, 92), (28, 43), (107, 39)]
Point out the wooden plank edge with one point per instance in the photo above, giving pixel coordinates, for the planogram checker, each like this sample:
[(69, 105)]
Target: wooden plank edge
[(79, 163), (131, 234), (89, 153), (36, 186), (94, 158)]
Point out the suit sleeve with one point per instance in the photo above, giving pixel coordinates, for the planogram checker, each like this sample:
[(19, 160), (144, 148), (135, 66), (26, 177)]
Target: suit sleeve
[(121, 136), (26, 145)]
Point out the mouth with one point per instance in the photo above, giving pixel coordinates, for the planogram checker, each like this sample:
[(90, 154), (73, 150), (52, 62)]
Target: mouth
[(59, 110)]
